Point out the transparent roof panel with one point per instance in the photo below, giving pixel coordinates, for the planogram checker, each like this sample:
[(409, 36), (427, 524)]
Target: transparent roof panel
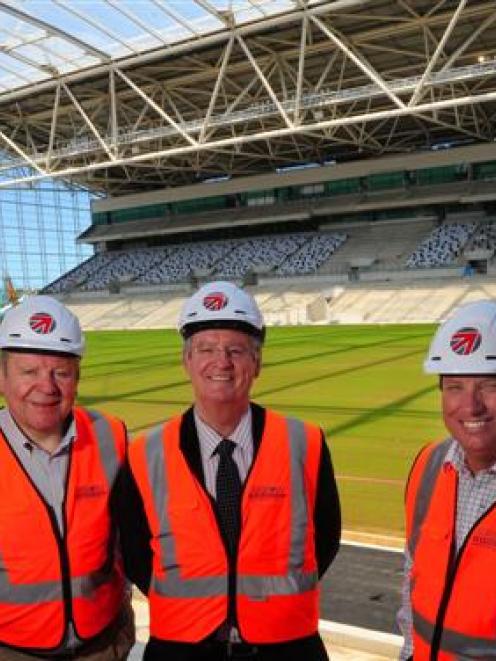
[(39, 40)]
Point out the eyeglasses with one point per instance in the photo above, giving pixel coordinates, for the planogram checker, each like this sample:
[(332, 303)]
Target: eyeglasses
[(233, 353)]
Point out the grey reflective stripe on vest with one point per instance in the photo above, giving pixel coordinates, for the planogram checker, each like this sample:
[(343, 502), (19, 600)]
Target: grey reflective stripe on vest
[(296, 581), (172, 585), (461, 645), (105, 438), (256, 586), (424, 491), (85, 586), (27, 593), (263, 587), (81, 586)]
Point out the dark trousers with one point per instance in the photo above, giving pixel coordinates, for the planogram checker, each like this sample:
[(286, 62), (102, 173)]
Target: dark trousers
[(304, 649)]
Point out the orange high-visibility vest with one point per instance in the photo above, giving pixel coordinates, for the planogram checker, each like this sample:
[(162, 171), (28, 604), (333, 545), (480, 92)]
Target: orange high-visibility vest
[(276, 576), (453, 598), (45, 579)]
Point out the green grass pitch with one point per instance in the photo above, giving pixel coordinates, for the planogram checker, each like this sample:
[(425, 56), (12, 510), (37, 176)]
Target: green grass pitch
[(363, 384)]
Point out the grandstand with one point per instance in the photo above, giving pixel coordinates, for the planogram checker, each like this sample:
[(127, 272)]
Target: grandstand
[(361, 190), (221, 146)]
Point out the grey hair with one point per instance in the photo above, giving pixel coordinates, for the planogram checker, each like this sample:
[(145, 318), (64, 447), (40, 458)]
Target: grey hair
[(256, 344)]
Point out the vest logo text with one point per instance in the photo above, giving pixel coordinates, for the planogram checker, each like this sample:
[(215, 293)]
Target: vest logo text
[(267, 491), (486, 538), (90, 491)]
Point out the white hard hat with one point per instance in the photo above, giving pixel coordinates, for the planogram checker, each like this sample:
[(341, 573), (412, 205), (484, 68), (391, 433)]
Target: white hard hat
[(221, 305), (41, 323), (466, 342)]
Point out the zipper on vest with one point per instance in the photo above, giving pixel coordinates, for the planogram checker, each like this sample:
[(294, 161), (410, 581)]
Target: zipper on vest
[(63, 555), (232, 563), (64, 565), (454, 562), (232, 616)]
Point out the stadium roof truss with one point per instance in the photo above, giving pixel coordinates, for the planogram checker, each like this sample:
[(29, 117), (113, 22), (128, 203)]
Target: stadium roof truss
[(122, 97)]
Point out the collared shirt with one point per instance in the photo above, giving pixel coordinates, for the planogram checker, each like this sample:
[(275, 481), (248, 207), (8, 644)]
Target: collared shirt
[(48, 473), (209, 440), (475, 495), (47, 470)]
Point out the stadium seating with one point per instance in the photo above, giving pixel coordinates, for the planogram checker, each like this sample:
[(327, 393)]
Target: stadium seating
[(311, 254), (297, 253), (443, 245), (484, 237), (250, 254), (75, 278), (389, 249)]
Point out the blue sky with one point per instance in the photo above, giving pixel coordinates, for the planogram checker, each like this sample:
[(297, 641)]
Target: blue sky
[(38, 228)]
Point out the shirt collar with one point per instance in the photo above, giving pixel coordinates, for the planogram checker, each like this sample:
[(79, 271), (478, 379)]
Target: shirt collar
[(455, 457), (209, 439), (18, 439)]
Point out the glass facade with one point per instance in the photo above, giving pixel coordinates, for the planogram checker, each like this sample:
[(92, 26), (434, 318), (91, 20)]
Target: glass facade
[(38, 230)]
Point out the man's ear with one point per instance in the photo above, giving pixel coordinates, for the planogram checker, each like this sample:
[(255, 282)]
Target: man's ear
[(3, 376), (186, 356)]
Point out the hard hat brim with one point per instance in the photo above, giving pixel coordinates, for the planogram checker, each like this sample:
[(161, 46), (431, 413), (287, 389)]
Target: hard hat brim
[(49, 352), (230, 324)]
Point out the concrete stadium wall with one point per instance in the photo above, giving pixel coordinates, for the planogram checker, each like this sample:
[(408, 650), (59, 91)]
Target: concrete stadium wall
[(298, 301)]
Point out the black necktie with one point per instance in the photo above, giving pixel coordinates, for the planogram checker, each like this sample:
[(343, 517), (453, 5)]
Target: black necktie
[(228, 490)]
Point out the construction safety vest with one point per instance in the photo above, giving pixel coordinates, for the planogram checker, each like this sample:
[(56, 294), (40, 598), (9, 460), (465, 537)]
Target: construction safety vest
[(453, 595), (276, 569), (47, 579)]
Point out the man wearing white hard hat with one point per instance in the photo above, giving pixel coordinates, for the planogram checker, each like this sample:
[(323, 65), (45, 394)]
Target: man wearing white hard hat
[(62, 589), (241, 504), (449, 591)]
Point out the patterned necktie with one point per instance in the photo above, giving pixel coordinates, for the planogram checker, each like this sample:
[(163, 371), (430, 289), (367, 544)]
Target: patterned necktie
[(228, 490)]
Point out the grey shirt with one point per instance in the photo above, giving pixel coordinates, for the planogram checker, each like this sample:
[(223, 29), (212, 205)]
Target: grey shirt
[(48, 471)]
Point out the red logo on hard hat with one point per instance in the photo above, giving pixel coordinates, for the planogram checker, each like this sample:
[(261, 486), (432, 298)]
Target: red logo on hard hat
[(42, 323), (465, 341), (215, 301)]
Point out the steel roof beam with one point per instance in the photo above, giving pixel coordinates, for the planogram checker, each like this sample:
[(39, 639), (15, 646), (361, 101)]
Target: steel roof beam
[(88, 122), (265, 82), (215, 93), (264, 135), (156, 107), (365, 67), (473, 36), (433, 60)]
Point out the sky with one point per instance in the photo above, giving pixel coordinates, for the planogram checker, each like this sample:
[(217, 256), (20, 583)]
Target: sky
[(38, 230)]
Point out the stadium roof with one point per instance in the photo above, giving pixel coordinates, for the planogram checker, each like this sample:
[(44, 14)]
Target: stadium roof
[(43, 40), (124, 96)]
